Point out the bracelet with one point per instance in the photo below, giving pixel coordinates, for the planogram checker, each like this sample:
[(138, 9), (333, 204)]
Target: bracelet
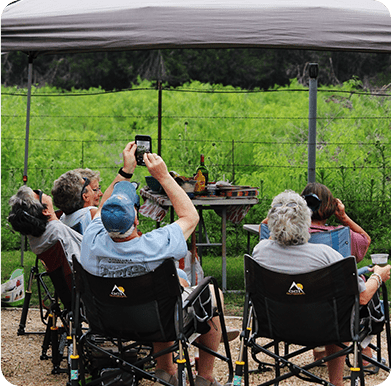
[(378, 278), (124, 174)]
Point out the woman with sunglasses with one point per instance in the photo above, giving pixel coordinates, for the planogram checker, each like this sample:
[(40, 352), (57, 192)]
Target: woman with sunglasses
[(74, 194), (329, 206), (32, 214)]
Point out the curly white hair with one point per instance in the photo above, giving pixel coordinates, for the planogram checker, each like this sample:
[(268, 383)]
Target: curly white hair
[(289, 219)]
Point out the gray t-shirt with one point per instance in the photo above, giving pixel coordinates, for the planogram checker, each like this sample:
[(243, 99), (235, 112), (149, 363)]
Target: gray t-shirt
[(56, 230), (101, 256), (296, 259)]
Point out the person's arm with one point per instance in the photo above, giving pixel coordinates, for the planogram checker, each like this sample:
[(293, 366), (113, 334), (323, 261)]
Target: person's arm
[(264, 221), (372, 284), (129, 166), (341, 215), (184, 208)]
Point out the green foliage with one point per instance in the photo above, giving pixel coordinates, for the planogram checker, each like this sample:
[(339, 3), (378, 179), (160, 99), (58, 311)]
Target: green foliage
[(250, 138)]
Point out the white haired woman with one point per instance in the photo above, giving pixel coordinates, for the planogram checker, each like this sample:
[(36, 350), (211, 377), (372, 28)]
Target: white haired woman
[(288, 251)]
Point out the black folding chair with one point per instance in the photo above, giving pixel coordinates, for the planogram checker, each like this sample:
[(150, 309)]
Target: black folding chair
[(132, 313), (53, 305), (309, 310)]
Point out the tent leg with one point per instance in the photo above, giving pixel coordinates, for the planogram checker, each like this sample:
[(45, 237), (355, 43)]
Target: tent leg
[(26, 145), (313, 71)]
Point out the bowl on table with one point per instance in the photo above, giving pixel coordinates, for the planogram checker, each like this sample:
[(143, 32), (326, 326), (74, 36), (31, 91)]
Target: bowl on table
[(154, 184)]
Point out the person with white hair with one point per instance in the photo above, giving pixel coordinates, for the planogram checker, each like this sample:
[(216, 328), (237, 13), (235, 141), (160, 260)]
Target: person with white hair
[(288, 251)]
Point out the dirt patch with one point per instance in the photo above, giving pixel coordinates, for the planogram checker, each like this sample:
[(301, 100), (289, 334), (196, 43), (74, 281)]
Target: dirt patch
[(21, 364)]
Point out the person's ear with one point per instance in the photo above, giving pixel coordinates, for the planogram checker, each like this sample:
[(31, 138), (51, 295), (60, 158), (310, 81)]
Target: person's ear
[(46, 212)]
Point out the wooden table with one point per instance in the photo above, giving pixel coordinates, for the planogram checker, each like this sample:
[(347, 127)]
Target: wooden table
[(220, 205)]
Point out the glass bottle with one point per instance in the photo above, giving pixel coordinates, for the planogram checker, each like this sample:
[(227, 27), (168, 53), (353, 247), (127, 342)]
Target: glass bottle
[(201, 177)]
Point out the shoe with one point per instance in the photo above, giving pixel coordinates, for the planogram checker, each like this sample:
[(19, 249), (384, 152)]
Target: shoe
[(232, 334), (159, 373), (201, 381), (371, 368)]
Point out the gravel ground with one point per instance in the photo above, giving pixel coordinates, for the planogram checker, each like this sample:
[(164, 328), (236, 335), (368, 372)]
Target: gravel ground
[(21, 364)]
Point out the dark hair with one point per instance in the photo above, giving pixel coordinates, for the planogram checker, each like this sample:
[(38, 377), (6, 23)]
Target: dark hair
[(26, 215), (329, 203)]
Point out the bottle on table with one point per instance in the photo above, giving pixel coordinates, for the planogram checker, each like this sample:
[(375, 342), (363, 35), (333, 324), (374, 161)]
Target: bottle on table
[(201, 177)]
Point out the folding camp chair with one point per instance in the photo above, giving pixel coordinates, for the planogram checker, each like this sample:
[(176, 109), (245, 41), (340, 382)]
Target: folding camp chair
[(133, 313), (53, 305), (309, 310)]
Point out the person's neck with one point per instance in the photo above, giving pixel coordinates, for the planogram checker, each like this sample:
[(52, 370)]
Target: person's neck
[(132, 236), (318, 222)]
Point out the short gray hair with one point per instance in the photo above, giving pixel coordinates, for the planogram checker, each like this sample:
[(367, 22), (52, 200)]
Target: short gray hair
[(26, 216), (67, 192), (289, 219), (88, 173)]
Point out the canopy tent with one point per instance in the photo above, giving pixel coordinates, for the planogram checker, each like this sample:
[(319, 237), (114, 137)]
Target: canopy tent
[(48, 26)]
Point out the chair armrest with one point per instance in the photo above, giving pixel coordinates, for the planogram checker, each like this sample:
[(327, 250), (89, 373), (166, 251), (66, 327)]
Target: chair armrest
[(200, 287), (363, 270)]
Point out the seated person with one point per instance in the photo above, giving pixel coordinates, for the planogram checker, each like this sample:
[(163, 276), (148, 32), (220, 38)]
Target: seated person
[(329, 205), (112, 246), (32, 214), (288, 251), (74, 195)]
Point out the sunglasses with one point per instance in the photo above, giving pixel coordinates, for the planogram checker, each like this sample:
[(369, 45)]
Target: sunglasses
[(40, 194), (86, 183)]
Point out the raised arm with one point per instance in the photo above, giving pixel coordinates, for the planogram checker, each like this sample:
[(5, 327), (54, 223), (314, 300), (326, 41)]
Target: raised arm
[(184, 208), (341, 215), (129, 166)]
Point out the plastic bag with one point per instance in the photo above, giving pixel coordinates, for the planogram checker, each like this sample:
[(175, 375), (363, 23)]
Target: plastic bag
[(12, 291)]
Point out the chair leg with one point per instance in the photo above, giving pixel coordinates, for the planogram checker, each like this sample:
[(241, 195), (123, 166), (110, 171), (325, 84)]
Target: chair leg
[(26, 303), (46, 340)]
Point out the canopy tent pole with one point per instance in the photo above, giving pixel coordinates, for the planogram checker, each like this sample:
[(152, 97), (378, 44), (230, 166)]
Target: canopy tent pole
[(313, 88), (26, 146), (159, 119)]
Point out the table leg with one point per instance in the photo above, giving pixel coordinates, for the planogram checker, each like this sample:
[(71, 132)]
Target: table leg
[(200, 230), (224, 248)]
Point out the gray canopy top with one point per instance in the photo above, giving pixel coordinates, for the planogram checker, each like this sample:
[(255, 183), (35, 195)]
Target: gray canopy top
[(48, 26)]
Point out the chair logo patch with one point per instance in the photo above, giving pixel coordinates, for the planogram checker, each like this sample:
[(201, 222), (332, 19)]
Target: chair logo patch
[(118, 292), (296, 289)]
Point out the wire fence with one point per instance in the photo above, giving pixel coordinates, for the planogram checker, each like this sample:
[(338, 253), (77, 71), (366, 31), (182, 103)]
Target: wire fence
[(359, 170)]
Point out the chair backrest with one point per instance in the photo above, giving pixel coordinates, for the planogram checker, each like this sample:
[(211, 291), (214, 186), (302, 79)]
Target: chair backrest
[(141, 308), (59, 271), (78, 228), (338, 239), (313, 308)]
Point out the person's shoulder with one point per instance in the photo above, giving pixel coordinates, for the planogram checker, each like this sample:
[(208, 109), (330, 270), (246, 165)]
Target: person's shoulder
[(324, 249)]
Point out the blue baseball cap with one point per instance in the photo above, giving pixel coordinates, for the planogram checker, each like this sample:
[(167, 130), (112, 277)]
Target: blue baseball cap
[(118, 213)]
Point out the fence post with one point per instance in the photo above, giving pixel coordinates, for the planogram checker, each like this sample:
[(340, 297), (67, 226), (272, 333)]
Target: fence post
[(313, 86), (233, 161)]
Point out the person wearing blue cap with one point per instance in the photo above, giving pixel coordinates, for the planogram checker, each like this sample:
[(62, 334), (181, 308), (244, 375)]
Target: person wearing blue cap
[(112, 247)]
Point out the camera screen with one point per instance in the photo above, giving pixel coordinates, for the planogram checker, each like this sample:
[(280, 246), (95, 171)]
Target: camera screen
[(142, 147)]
